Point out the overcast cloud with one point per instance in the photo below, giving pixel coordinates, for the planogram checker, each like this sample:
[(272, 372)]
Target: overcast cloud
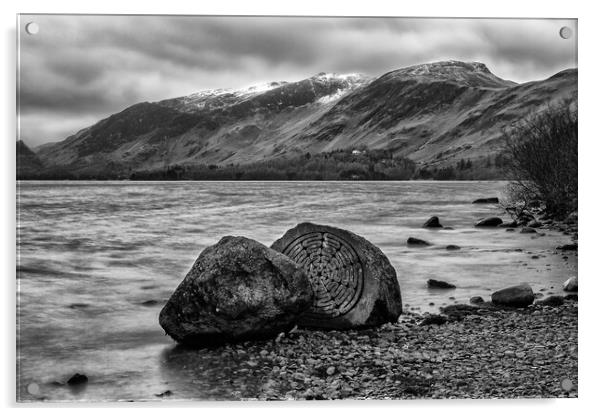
[(79, 69)]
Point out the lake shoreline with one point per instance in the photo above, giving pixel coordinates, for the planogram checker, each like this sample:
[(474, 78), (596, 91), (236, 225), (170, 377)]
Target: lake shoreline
[(483, 352), (131, 227)]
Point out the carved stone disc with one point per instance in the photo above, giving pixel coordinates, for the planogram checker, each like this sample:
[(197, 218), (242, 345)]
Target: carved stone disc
[(334, 269)]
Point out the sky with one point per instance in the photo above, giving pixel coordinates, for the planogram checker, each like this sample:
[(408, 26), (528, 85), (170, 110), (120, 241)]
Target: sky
[(78, 70)]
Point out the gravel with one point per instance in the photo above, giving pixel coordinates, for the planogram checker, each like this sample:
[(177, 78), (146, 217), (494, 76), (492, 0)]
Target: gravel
[(485, 352)]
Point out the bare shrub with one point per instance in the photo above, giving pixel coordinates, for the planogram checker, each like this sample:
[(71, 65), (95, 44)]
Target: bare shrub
[(542, 159)]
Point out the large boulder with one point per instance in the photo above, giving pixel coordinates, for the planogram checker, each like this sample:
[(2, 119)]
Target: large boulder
[(518, 296), (237, 289), (571, 284), (353, 281)]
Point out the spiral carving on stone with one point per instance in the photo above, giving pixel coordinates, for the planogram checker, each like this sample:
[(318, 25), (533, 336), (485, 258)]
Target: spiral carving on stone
[(334, 269)]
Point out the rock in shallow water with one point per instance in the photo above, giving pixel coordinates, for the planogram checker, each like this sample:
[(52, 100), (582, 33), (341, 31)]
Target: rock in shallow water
[(571, 284), (237, 289), (353, 281), (489, 222), (439, 284), (476, 300), (518, 296), (432, 222), (493, 200), (508, 224), (77, 379), (413, 241)]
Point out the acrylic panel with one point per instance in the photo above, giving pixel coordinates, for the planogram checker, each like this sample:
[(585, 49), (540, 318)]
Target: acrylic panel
[(307, 208)]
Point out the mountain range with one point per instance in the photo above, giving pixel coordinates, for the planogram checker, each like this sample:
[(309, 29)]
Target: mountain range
[(435, 114)]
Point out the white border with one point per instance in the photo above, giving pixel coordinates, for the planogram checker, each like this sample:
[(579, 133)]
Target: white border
[(590, 152)]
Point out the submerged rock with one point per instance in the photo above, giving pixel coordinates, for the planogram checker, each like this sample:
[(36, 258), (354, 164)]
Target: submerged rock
[(412, 241), (77, 379), (489, 222), (237, 289), (493, 200), (432, 222), (568, 247), (452, 247), (439, 284), (571, 284), (353, 281), (476, 300), (518, 296), (528, 230)]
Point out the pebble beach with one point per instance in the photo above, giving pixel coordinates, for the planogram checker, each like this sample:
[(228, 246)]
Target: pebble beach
[(481, 352)]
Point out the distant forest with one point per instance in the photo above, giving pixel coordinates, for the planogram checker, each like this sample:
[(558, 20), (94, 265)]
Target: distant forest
[(349, 164)]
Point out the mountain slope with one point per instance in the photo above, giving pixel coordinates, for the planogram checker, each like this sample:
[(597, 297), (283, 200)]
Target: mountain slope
[(28, 162), (434, 114)]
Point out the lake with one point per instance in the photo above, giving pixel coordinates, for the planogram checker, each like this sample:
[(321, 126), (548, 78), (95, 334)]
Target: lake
[(97, 260)]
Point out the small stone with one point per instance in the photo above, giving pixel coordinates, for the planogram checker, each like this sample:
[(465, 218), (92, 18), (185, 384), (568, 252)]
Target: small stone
[(433, 320), (412, 241), (515, 296), (551, 301), (571, 284), (432, 222), (476, 300), (331, 370), (567, 247), (489, 222), (491, 200), (439, 284), (77, 379)]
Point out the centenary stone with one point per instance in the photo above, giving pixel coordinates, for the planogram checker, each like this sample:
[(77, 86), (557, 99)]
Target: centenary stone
[(432, 222), (237, 289), (489, 222), (518, 296), (353, 281), (571, 284)]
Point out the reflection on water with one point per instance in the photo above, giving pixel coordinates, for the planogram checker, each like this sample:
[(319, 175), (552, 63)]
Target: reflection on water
[(97, 260)]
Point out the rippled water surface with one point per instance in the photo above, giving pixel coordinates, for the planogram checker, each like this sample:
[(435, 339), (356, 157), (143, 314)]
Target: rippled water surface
[(97, 260)]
